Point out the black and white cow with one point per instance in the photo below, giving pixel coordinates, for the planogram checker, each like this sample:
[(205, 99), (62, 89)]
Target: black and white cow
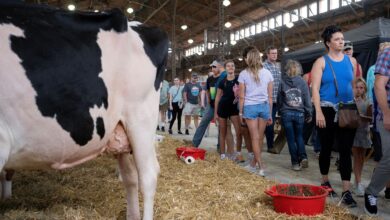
[(73, 85)]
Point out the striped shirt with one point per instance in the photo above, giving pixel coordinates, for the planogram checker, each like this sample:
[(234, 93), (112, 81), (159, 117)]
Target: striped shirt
[(277, 75)]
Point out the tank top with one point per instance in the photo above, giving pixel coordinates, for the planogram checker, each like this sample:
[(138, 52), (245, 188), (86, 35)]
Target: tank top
[(344, 75)]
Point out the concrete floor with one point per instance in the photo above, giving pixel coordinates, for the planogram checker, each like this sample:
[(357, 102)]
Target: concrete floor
[(278, 167)]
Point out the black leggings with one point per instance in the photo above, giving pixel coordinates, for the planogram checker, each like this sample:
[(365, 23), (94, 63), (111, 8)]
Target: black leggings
[(344, 141), (176, 111)]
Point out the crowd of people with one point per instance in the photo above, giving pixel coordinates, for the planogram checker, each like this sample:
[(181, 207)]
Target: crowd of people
[(306, 103)]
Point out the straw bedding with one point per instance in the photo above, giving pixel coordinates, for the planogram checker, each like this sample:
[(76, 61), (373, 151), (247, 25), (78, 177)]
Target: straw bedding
[(209, 189)]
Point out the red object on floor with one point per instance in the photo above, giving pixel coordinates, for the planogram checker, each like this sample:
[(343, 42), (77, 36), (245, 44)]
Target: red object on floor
[(196, 153), (298, 205)]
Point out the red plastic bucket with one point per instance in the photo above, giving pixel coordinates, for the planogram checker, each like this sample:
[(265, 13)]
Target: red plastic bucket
[(196, 153), (312, 204)]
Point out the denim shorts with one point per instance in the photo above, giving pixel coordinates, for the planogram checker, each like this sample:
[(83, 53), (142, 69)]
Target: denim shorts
[(257, 111)]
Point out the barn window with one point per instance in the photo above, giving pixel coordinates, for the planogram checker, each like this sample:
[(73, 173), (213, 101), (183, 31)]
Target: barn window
[(271, 23), (258, 28), (278, 21), (303, 12), (265, 25), (334, 4), (313, 9), (323, 6)]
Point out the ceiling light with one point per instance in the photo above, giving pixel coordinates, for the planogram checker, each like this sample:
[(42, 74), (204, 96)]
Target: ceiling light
[(319, 41), (130, 10), (71, 7), (189, 70), (184, 27), (190, 41), (240, 58), (96, 11), (261, 54), (226, 3), (290, 24), (233, 42), (286, 49), (228, 24)]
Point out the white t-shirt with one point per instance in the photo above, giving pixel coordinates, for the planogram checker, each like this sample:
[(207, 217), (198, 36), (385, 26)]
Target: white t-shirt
[(256, 93)]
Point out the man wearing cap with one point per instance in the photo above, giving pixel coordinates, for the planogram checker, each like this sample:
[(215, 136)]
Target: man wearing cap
[(191, 97), (211, 85), (348, 50)]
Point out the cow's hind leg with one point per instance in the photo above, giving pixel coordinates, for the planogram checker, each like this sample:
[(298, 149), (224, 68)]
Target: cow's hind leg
[(5, 175), (142, 143), (6, 184), (129, 176)]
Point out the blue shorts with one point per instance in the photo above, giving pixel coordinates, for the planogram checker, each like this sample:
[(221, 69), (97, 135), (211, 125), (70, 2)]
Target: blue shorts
[(257, 111)]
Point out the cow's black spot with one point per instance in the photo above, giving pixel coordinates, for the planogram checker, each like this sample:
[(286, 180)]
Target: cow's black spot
[(156, 47), (62, 60), (100, 127)]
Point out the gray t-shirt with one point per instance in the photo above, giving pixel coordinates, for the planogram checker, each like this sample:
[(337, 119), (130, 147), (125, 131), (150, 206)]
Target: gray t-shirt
[(193, 92)]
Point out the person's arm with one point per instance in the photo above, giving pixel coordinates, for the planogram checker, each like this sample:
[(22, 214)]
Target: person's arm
[(202, 98), (381, 96), (270, 90), (242, 99), (354, 66), (306, 102), (217, 98), (279, 98), (170, 101), (185, 94), (316, 75)]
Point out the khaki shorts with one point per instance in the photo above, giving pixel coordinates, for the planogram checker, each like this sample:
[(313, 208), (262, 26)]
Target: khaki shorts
[(163, 107), (191, 109)]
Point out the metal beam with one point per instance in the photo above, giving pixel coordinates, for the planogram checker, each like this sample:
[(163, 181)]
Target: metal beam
[(155, 11)]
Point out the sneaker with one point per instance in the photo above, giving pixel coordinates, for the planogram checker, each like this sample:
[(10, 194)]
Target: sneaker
[(170, 131), (250, 168), (296, 167), (370, 206), (223, 156), (348, 199), (179, 132), (305, 163), (158, 128), (261, 172), (359, 190), (162, 129), (387, 194), (187, 132), (327, 185)]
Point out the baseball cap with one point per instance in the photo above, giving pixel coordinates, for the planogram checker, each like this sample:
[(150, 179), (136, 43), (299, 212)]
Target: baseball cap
[(215, 63), (348, 45)]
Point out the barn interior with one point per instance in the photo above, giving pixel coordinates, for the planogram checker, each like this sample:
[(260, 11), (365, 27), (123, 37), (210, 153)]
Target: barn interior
[(199, 31)]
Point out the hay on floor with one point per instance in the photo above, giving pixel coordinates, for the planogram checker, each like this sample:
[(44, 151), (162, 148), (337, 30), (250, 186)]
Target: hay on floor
[(209, 189)]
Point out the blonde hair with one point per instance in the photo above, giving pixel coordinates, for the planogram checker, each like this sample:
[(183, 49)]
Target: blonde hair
[(361, 80), (383, 46), (293, 68), (253, 60)]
